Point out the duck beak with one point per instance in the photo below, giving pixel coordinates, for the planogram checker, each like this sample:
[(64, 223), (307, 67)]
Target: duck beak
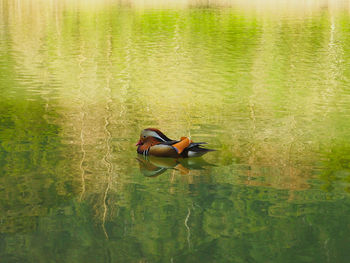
[(139, 143)]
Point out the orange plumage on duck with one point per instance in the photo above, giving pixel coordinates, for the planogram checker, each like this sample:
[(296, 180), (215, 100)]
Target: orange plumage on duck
[(154, 142)]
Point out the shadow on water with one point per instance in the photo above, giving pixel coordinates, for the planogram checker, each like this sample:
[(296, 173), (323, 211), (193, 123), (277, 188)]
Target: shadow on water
[(151, 166)]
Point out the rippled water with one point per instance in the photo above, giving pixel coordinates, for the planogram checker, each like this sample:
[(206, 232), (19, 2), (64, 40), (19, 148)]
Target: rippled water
[(267, 85)]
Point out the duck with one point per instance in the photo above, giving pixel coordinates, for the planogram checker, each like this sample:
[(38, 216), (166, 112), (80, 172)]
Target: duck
[(155, 143)]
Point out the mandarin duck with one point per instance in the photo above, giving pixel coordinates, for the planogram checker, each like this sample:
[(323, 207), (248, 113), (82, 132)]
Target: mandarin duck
[(154, 142)]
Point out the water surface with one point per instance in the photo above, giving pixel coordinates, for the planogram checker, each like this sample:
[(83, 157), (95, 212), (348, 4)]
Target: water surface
[(268, 86)]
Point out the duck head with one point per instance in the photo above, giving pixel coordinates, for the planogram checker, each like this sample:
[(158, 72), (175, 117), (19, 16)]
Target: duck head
[(148, 133)]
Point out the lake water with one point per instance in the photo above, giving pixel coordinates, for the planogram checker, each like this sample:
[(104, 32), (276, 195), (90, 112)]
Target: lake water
[(266, 83)]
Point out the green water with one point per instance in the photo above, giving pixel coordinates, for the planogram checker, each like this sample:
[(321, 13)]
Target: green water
[(267, 86)]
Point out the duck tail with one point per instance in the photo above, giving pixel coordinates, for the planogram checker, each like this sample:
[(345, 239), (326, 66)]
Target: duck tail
[(197, 151)]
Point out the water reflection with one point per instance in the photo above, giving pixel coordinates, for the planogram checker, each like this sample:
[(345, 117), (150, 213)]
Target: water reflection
[(35, 173), (152, 166), (270, 90)]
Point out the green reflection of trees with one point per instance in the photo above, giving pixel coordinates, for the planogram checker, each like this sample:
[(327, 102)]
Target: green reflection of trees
[(225, 223), (34, 173), (234, 71), (335, 172)]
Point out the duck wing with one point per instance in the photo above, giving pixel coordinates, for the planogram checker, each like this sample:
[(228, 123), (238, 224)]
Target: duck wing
[(192, 150), (171, 142), (192, 144)]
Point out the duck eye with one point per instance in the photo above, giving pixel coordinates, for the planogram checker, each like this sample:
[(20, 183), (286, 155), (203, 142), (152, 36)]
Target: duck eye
[(144, 136)]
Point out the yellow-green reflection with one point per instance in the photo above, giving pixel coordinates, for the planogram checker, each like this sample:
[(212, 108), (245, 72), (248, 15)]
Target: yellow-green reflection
[(267, 85)]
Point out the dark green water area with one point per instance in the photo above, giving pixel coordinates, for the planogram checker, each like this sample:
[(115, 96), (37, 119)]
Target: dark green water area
[(266, 83)]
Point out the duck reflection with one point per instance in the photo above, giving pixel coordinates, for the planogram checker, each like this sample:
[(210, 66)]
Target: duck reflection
[(152, 166)]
